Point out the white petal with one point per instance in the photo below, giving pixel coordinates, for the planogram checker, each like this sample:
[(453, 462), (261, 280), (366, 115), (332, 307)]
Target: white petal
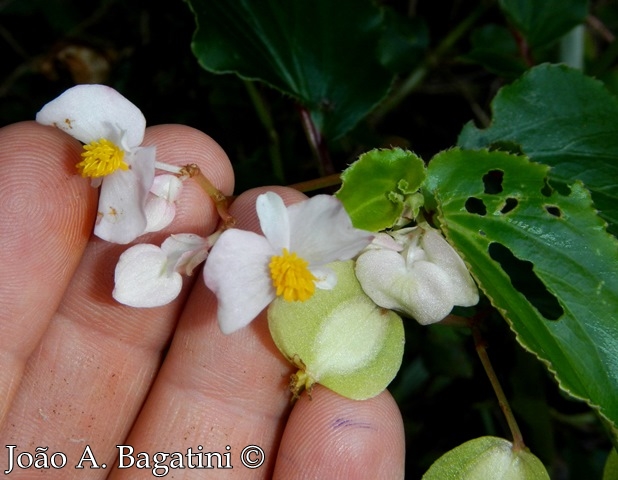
[(326, 278), (92, 112), (440, 252), (428, 293), (167, 187), (274, 221), (159, 213), (423, 292), (160, 206), (121, 217), (237, 272), (322, 231), (376, 270), (141, 278)]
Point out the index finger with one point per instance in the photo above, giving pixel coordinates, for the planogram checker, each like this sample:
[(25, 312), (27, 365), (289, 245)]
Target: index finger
[(47, 217)]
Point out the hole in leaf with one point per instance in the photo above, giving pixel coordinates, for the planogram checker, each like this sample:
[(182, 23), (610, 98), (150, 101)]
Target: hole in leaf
[(493, 181), (526, 282), (476, 205), (507, 146), (553, 210), (546, 191), (561, 188), (510, 204)]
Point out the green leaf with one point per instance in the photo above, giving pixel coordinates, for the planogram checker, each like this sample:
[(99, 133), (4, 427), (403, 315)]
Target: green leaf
[(544, 21), (544, 260), (494, 47), (376, 187), (610, 472), (404, 43), (322, 53), (484, 458), (562, 118)]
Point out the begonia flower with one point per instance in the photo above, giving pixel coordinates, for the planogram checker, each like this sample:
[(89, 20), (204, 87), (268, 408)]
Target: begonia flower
[(151, 276), (423, 277), (112, 130), (247, 271)]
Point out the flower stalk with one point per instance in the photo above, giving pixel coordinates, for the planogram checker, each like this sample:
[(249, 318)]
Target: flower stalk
[(220, 200), (481, 349)]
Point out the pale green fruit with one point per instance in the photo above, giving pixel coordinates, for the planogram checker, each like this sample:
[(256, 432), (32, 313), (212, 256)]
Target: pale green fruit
[(339, 338), (487, 458)]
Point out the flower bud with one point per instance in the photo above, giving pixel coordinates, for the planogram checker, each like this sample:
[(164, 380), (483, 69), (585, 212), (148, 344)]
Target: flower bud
[(423, 278)]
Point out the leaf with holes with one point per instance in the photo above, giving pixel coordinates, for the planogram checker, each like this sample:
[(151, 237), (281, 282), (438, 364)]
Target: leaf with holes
[(562, 118), (544, 260), (323, 53)]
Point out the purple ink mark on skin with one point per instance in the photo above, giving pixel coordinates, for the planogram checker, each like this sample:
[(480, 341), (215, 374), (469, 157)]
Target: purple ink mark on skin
[(346, 422)]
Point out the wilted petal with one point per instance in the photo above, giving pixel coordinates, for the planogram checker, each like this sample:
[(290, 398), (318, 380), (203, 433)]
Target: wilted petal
[(92, 112), (142, 280), (384, 240), (160, 206), (185, 251), (121, 217), (237, 272), (322, 231)]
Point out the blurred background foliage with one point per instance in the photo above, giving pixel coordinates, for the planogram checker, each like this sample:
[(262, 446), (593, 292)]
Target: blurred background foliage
[(447, 60)]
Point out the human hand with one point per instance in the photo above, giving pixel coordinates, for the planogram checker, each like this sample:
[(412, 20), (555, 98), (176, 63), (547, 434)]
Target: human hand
[(84, 375)]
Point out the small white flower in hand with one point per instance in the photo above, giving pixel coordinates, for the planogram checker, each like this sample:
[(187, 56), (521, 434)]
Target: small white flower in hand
[(149, 276), (247, 271), (423, 278), (112, 130)]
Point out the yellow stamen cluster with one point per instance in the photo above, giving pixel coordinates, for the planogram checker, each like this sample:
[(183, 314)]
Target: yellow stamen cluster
[(100, 158), (291, 277)]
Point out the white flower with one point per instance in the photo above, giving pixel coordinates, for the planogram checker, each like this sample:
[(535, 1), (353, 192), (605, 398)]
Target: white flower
[(423, 278), (247, 271), (111, 129), (150, 276)]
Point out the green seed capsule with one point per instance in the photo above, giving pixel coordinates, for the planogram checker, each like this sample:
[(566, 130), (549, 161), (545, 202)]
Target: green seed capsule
[(339, 338), (487, 457)]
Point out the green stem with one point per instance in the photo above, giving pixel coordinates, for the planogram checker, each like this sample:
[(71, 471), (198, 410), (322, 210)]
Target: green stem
[(265, 117), (317, 183), (409, 84), (479, 342)]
